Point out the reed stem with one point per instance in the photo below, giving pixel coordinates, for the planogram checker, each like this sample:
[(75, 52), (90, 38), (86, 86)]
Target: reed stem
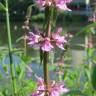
[(10, 50)]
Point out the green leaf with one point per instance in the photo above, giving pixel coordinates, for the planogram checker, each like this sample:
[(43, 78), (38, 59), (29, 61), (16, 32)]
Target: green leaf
[(41, 56), (94, 77), (22, 71), (87, 71), (30, 85), (1, 76), (75, 92), (19, 39), (38, 16), (2, 7), (52, 67)]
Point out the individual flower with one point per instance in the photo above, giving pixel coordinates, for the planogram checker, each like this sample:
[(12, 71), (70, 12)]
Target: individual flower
[(61, 4), (62, 89), (42, 3), (33, 39), (46, 45), (56, 89), (60, 40)]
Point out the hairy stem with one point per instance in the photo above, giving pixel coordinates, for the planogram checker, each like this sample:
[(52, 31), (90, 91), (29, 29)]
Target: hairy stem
[(45, 58), (46, 73)]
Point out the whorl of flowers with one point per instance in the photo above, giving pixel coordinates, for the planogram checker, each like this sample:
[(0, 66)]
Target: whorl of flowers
[(46, 43), (60, 4), (56, 89)]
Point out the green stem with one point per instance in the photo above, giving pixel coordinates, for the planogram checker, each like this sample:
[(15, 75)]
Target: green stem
[(48, 18), (10, 51)]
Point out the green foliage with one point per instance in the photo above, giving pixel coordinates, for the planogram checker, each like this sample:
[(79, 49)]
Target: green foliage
[(88, 29)]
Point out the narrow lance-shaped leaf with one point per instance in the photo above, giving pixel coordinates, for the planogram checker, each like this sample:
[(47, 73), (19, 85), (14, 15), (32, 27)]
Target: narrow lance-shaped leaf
[(54, 10), (41, 56), (94, 77), (2, 7), (29, 11)]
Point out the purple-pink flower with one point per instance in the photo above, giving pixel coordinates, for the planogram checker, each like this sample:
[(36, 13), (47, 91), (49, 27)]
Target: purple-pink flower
[(56, 89), (33, 39), (46, 45), (60, 4)]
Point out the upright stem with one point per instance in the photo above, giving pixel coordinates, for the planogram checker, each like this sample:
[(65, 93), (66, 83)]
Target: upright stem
[(10, 50), (45, 58), (48, 18)]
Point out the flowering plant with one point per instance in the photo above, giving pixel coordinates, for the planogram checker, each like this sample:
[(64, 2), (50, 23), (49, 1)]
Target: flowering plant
[(47, 41)]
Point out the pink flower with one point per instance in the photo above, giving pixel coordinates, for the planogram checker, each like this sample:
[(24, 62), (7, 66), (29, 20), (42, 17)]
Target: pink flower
[(60, 40), (46, 46), (33, 39), (56, 89), (61, 4)]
